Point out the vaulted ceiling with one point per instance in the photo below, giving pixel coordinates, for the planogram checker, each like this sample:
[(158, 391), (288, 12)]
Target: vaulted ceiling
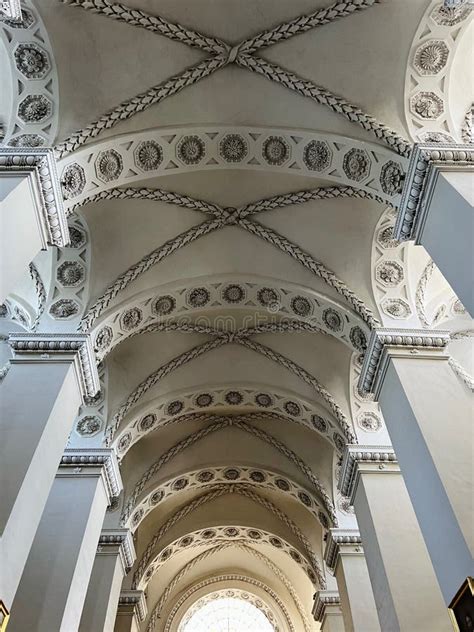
[(225, 165)]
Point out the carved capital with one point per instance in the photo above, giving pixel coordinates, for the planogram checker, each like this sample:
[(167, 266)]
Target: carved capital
[(10, 10), (76, 462), (133, 600), (29, 347), (121, 539), (386, 342), (40, 166), (426, 161), (323, 600), (342, 541), (360, 459)]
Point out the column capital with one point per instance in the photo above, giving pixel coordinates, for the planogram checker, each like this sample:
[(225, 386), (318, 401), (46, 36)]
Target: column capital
[(136, 600), (426, 161), (76, 462), (324, 599), (360, 459), (10, 10), (341, 539), (30, 347), (407, 342), (39, 165), (121, 538)]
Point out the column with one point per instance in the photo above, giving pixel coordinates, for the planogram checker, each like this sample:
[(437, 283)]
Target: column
[(39, 399), (114, 558), (436, 210), (132, 611), (54, 583), (429, 414), (32, 215), (404, 584), (327, 611), (344, 555)]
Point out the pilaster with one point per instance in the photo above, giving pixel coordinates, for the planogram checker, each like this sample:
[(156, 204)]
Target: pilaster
[(39, 166), (34, 348), (76, 463), (426, 162), (327, 611), (111, 539), (386, 343), (342, 540), (359, 460), (132, 611)]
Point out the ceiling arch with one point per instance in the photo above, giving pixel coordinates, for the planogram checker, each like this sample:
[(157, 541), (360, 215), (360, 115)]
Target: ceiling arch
[(220, 423), (202, 297), (227, 584), (202, 479), (108, 169), (157, 555), (276, 571), (240, 338), (273, 402)]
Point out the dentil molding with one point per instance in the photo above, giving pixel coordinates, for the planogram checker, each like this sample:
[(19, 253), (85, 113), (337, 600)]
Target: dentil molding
[(323, 600), (30, 347), (347, 540), (407, 342), (77, 462), (360, 459), (39, 165), (135, 600), (121, 538), (426, 162)]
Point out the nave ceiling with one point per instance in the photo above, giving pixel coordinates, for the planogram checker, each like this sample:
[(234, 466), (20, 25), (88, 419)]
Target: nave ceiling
[(228, 258)]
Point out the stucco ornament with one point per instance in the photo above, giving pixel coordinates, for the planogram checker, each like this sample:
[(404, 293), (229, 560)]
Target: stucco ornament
[(70, 273), (276, 150), (73, 180), (431, 57), (64, 308), (35, 108), (109, 165), (233, 148), (148, 155), (317, 155), (32, 60), (357, 164), (191, 149), (88, 426)]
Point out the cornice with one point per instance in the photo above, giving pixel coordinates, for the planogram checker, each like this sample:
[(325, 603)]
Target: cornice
[(386, 342), (322, 600), (123, 539), (426, 161), (32, 347), (359, 458), (105, 459), (135, 598), (338, 539), (40, 164), (10, 10)]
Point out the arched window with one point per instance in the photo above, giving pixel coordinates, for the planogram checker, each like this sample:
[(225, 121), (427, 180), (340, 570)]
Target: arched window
[(227, 615)]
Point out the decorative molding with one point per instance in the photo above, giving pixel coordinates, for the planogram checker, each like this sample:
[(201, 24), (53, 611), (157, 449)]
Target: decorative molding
[(386, 342), (40, 294), (123, 539), (136, 599), (214, 399), (369, 458), (104, 459), (246, 595), (230, 593), (340, 539), (34, 103), (31, 347), (223, 54), (261, 296), (240, 337), (39, 166), (231, 476), (426, 161), (81, 183), (429, 74), (218, 534), (220, 423), (323, 600)]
